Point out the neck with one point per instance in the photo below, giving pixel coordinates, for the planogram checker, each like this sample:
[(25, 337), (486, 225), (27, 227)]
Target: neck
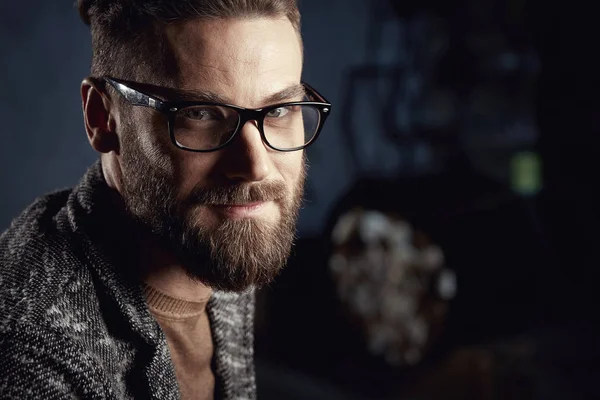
[(160, 270)]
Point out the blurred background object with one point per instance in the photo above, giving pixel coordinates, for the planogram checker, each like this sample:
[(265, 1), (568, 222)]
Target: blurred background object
[(391, 279), (447, 247)]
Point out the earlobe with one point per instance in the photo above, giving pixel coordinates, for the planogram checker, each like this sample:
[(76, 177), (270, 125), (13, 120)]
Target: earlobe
[(99, 120)]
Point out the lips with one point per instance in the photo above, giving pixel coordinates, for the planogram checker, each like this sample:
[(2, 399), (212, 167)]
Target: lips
[(245, 205), (240, 210)]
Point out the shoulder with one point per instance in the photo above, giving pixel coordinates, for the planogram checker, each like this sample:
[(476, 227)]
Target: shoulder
[(37, 362), (48, 307), (37, 259)]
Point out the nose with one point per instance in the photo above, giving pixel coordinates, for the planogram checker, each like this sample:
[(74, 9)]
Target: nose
[(248, 157)]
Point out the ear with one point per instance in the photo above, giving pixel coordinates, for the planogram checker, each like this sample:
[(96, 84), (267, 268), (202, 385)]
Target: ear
[(99, 119)]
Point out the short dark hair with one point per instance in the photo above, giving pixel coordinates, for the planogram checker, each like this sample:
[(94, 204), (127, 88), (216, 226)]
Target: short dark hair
[(127, 35)]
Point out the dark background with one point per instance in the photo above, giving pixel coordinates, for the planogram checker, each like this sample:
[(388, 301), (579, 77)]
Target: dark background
[(432, 103)]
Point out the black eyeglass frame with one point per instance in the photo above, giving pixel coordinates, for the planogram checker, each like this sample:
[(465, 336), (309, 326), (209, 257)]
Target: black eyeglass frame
[(170, 109)]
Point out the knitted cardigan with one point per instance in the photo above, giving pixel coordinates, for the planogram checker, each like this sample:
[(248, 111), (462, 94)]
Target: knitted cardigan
[(74, 321)]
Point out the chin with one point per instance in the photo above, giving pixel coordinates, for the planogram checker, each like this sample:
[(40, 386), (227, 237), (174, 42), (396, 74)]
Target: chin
[(237, 254)]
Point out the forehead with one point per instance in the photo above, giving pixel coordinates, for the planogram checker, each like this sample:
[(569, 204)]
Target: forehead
[(242, 60)]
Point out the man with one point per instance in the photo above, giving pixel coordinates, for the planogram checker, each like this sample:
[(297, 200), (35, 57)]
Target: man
[(139, 282)]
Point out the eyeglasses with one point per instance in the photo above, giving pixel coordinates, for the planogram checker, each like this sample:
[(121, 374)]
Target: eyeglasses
[(202, 126)]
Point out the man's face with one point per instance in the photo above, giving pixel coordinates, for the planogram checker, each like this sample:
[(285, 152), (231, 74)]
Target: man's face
[(229, 215)]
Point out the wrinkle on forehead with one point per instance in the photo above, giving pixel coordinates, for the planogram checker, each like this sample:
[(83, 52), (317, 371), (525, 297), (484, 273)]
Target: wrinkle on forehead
[(240, 59)]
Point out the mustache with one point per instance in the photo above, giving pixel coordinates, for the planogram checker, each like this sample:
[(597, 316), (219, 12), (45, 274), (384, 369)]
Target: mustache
[(238, 194)]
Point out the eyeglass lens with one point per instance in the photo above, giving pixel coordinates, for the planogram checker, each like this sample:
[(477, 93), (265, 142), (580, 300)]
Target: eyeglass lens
[(209, 127)]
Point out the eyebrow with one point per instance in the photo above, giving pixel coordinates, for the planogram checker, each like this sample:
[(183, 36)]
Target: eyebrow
[(291, 93)]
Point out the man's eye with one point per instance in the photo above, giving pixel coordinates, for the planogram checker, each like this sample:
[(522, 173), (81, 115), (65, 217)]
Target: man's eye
[(199, 113), (278, 112)]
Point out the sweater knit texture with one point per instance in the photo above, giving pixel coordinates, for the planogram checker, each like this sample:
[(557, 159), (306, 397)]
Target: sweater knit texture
[(74, 323)]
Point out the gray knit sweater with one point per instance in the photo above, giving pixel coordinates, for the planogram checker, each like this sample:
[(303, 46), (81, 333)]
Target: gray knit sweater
[(74, 322)]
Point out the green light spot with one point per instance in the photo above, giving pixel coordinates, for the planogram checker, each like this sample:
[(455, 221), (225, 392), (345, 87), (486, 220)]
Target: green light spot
[(526, 173)]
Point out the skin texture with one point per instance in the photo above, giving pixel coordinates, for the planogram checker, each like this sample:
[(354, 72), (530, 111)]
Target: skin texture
[(176, 197)]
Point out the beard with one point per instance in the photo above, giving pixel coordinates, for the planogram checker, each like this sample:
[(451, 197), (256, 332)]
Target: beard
[(234, 255)]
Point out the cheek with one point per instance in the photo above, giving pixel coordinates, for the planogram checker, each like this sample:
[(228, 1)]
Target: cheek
[(193, 169), (291, 166), (151, 132), (182, 169)]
